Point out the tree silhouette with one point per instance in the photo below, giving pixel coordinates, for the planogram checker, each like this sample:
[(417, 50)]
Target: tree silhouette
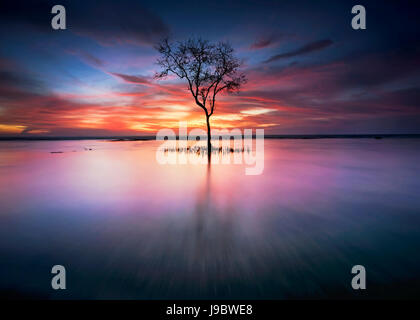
[(208, 69)]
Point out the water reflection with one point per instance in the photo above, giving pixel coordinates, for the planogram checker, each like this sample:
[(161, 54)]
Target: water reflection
[(128, 227), (202, 213), (213, 239)]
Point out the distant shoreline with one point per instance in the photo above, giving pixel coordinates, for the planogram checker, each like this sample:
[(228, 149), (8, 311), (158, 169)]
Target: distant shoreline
[(148, 138)]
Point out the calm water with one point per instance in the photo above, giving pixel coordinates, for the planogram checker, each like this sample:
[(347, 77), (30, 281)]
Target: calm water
[(125, 226)]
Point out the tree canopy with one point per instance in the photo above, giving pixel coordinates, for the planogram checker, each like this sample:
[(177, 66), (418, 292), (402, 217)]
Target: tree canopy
[(208, 68)]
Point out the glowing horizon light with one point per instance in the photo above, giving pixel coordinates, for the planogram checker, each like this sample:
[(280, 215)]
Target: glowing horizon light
[(142, 127), (38, 131), (9, 128), (228, 117), (176, 107), (266, 125), (256, 112)]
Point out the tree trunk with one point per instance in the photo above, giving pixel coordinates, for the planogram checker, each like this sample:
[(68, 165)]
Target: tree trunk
[(208, 138)]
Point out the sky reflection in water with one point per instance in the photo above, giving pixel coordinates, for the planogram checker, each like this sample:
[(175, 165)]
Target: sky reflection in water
[(125, 226)]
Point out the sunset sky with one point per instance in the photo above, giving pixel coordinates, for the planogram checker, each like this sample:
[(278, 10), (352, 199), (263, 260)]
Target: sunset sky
[(308, 71)]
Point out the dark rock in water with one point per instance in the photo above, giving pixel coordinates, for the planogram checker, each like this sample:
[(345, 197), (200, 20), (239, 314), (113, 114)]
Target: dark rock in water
[(56, 152)]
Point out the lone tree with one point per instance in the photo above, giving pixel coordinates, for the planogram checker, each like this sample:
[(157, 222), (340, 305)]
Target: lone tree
[(208, 69)]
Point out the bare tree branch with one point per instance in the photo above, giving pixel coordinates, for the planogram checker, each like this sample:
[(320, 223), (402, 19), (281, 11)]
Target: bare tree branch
[(208, 68)]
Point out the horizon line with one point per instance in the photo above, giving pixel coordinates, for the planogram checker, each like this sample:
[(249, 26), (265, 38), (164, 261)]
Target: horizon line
[(270, 136)]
